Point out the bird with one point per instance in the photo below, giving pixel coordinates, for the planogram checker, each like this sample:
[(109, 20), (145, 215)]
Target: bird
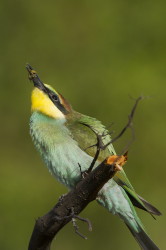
[(65, 139)]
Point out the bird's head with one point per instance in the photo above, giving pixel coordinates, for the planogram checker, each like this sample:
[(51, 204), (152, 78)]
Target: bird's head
[(47, 100)]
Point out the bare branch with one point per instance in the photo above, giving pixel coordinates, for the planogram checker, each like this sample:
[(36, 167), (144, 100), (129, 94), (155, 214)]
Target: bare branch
[(100, 146), (75, 201), (129, 123)]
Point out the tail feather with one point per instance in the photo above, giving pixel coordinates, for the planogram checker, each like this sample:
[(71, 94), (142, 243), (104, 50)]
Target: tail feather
[(137, 200), (114, 198), (143, 239), (150, 207)]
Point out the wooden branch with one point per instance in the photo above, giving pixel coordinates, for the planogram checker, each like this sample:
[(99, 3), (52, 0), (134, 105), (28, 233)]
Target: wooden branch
[(47, 226)]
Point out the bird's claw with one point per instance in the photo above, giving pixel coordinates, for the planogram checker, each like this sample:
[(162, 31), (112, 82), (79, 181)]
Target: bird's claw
[(73, 217), (76, 227)]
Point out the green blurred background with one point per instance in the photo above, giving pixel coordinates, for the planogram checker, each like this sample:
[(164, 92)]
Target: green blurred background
[(97, 54)]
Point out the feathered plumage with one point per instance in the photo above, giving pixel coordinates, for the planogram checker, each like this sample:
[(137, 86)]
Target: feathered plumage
[(61, 136)]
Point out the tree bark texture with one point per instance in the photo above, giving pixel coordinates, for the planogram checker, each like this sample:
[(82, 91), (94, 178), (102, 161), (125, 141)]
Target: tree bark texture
[(47, 226)]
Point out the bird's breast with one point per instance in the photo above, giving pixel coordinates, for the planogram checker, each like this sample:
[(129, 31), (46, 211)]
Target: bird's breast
[(59, 150)]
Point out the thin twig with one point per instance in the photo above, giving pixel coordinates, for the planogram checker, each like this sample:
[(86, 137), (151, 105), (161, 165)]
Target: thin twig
[(129, 123), (100, 146)]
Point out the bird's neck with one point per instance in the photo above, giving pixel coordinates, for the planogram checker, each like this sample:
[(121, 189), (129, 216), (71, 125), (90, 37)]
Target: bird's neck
[(44, 128), (39, 118)]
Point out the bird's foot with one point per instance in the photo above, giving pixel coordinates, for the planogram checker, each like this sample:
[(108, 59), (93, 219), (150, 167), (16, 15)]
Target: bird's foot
[(76, 227), (74, 218)]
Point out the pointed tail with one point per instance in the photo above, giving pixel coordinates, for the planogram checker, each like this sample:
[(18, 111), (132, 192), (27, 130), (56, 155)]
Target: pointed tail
[(143, 239), (114, 198)]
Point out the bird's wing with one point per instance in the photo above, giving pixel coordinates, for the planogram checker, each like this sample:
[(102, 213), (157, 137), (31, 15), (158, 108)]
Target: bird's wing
[(136, 199), (82, 130)]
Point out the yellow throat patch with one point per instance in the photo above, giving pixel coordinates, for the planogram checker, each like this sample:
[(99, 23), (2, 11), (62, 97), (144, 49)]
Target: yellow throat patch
[(42, 103)]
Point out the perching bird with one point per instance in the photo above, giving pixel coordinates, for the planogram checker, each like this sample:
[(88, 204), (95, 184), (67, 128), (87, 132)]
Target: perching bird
[(63, 137)]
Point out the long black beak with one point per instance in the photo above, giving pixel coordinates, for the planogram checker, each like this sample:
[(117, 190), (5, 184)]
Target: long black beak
[(35, 78)]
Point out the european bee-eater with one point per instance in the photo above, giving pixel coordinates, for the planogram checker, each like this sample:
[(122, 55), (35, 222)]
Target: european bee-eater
[(63, 137)]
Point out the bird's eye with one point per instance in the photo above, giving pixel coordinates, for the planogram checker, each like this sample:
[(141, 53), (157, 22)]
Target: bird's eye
[(54, 97)]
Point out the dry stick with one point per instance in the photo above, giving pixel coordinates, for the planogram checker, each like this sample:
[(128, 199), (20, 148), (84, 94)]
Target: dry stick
[(129, 123), (76, 200), (99, 143)]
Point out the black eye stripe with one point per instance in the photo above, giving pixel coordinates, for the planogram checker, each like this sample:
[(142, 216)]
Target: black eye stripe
[(55, 99), (52, 95)]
